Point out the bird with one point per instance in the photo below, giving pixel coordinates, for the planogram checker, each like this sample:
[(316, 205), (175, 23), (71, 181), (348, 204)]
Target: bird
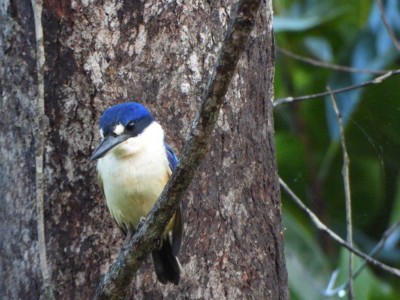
[(134, 163)]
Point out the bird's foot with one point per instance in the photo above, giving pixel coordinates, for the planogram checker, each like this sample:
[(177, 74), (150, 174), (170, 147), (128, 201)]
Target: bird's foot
[(141, 222), (129, 235)]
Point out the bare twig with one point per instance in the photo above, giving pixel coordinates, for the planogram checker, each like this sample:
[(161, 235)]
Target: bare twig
[(387, 26), (39, 161), (322, 64), (321, 226), (376, 80), (117, 279), (346, 182), (329, 292)]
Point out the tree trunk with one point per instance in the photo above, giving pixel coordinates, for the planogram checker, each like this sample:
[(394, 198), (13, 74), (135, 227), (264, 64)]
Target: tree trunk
[(160, 53)]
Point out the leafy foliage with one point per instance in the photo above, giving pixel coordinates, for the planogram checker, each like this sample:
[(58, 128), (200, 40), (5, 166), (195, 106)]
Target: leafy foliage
[(350, 33)]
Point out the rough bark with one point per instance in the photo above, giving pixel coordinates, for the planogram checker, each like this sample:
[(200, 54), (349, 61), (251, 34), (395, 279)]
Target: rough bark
[(160, 53)]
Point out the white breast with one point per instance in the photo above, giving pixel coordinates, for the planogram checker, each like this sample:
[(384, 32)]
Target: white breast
[(132, 183)]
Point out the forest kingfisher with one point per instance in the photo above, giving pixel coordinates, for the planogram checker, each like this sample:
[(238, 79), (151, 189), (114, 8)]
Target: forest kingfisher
[(134, 164)]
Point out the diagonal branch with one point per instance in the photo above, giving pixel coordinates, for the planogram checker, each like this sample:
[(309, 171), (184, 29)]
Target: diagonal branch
[(323, 64), (389, 30), (321, 226), (330, 292), (117, 279), (376, 80)]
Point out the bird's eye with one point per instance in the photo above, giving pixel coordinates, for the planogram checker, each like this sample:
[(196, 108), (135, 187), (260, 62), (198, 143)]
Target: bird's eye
[(130, 126)]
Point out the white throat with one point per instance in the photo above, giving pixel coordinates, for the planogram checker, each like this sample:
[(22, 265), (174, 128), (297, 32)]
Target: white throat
[(148, 141)]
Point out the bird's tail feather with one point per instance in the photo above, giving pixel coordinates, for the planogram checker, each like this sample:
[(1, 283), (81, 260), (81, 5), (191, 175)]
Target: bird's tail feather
[(166, 264)]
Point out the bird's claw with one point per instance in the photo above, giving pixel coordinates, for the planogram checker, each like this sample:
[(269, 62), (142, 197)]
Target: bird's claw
[(141, 222), (129, 235)]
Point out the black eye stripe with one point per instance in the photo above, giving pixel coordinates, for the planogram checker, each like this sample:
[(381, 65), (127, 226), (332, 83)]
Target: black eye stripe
[(132, 128), (130, 125)]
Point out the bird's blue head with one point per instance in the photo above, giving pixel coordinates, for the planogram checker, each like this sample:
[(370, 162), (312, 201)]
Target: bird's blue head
[(119, 123)]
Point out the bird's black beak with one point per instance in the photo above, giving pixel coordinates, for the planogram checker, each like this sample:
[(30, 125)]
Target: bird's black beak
[(107, 144)]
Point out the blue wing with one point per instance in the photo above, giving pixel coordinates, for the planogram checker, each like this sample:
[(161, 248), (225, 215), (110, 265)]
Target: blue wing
[(177, 231), (172, 158)]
